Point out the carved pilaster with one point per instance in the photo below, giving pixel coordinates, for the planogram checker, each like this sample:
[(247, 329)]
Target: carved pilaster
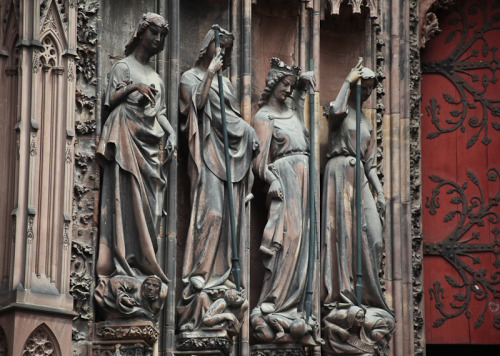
[(415, 181)]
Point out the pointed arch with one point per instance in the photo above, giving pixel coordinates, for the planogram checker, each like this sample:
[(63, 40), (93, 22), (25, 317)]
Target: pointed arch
[(52, 24), (41, 341)]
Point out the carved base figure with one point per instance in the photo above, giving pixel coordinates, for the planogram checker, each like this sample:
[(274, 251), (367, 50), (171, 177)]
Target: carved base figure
[(351, 330), (130, 297), (221, 312), (285, 328)]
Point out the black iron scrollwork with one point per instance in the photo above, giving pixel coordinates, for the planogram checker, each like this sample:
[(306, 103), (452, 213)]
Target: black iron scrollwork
[(461, 253), (457, 67)]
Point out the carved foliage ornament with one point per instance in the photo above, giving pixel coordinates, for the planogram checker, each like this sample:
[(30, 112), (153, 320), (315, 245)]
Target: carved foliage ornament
[(473, 106), (144, 332), (458, 249), (81, 278), (415, 174)]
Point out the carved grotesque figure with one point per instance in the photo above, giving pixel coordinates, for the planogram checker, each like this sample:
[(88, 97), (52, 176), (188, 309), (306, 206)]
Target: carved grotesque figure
[(283, 164), (123, 297)]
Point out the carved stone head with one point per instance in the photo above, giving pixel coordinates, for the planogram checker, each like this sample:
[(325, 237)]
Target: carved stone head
[(226, 41), (149, 19), (151, 288), (234, 298), (279, 70)]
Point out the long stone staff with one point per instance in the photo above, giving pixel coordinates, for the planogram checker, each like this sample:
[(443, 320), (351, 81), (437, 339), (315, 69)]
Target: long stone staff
[(359, 273), (235, 258), (312, 204)]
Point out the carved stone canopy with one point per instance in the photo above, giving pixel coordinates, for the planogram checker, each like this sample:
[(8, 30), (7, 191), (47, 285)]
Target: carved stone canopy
[(356, 6)]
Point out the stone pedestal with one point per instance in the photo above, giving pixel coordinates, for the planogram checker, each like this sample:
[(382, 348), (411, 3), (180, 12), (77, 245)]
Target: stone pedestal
[(125, 337), (277, 350), (208, 342)]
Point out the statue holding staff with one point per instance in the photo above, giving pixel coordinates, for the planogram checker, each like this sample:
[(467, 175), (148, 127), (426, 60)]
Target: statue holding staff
[(283, 164), (208, 256), (341, 253)]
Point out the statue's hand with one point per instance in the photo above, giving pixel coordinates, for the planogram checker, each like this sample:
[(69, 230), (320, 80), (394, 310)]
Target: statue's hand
[(355, 73), (216, 63), (171, 144), (128, 301), (149, 93), (275, 190), (307, 78), (381, 205)]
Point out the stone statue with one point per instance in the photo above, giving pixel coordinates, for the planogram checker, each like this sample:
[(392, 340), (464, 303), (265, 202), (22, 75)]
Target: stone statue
[(353, 330), (126, 297), (339, 243), (133, 178), (225, 313), (207, 266), (283, 163)]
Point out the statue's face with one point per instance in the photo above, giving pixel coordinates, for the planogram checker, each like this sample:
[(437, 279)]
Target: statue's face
[(153, 39), (283, 89), (366, 89), (360, 318), (234, 298), (226, 48), (151, 288)]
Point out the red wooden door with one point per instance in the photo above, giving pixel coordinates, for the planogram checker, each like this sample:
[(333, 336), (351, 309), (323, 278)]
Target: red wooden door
[(461, 175)]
